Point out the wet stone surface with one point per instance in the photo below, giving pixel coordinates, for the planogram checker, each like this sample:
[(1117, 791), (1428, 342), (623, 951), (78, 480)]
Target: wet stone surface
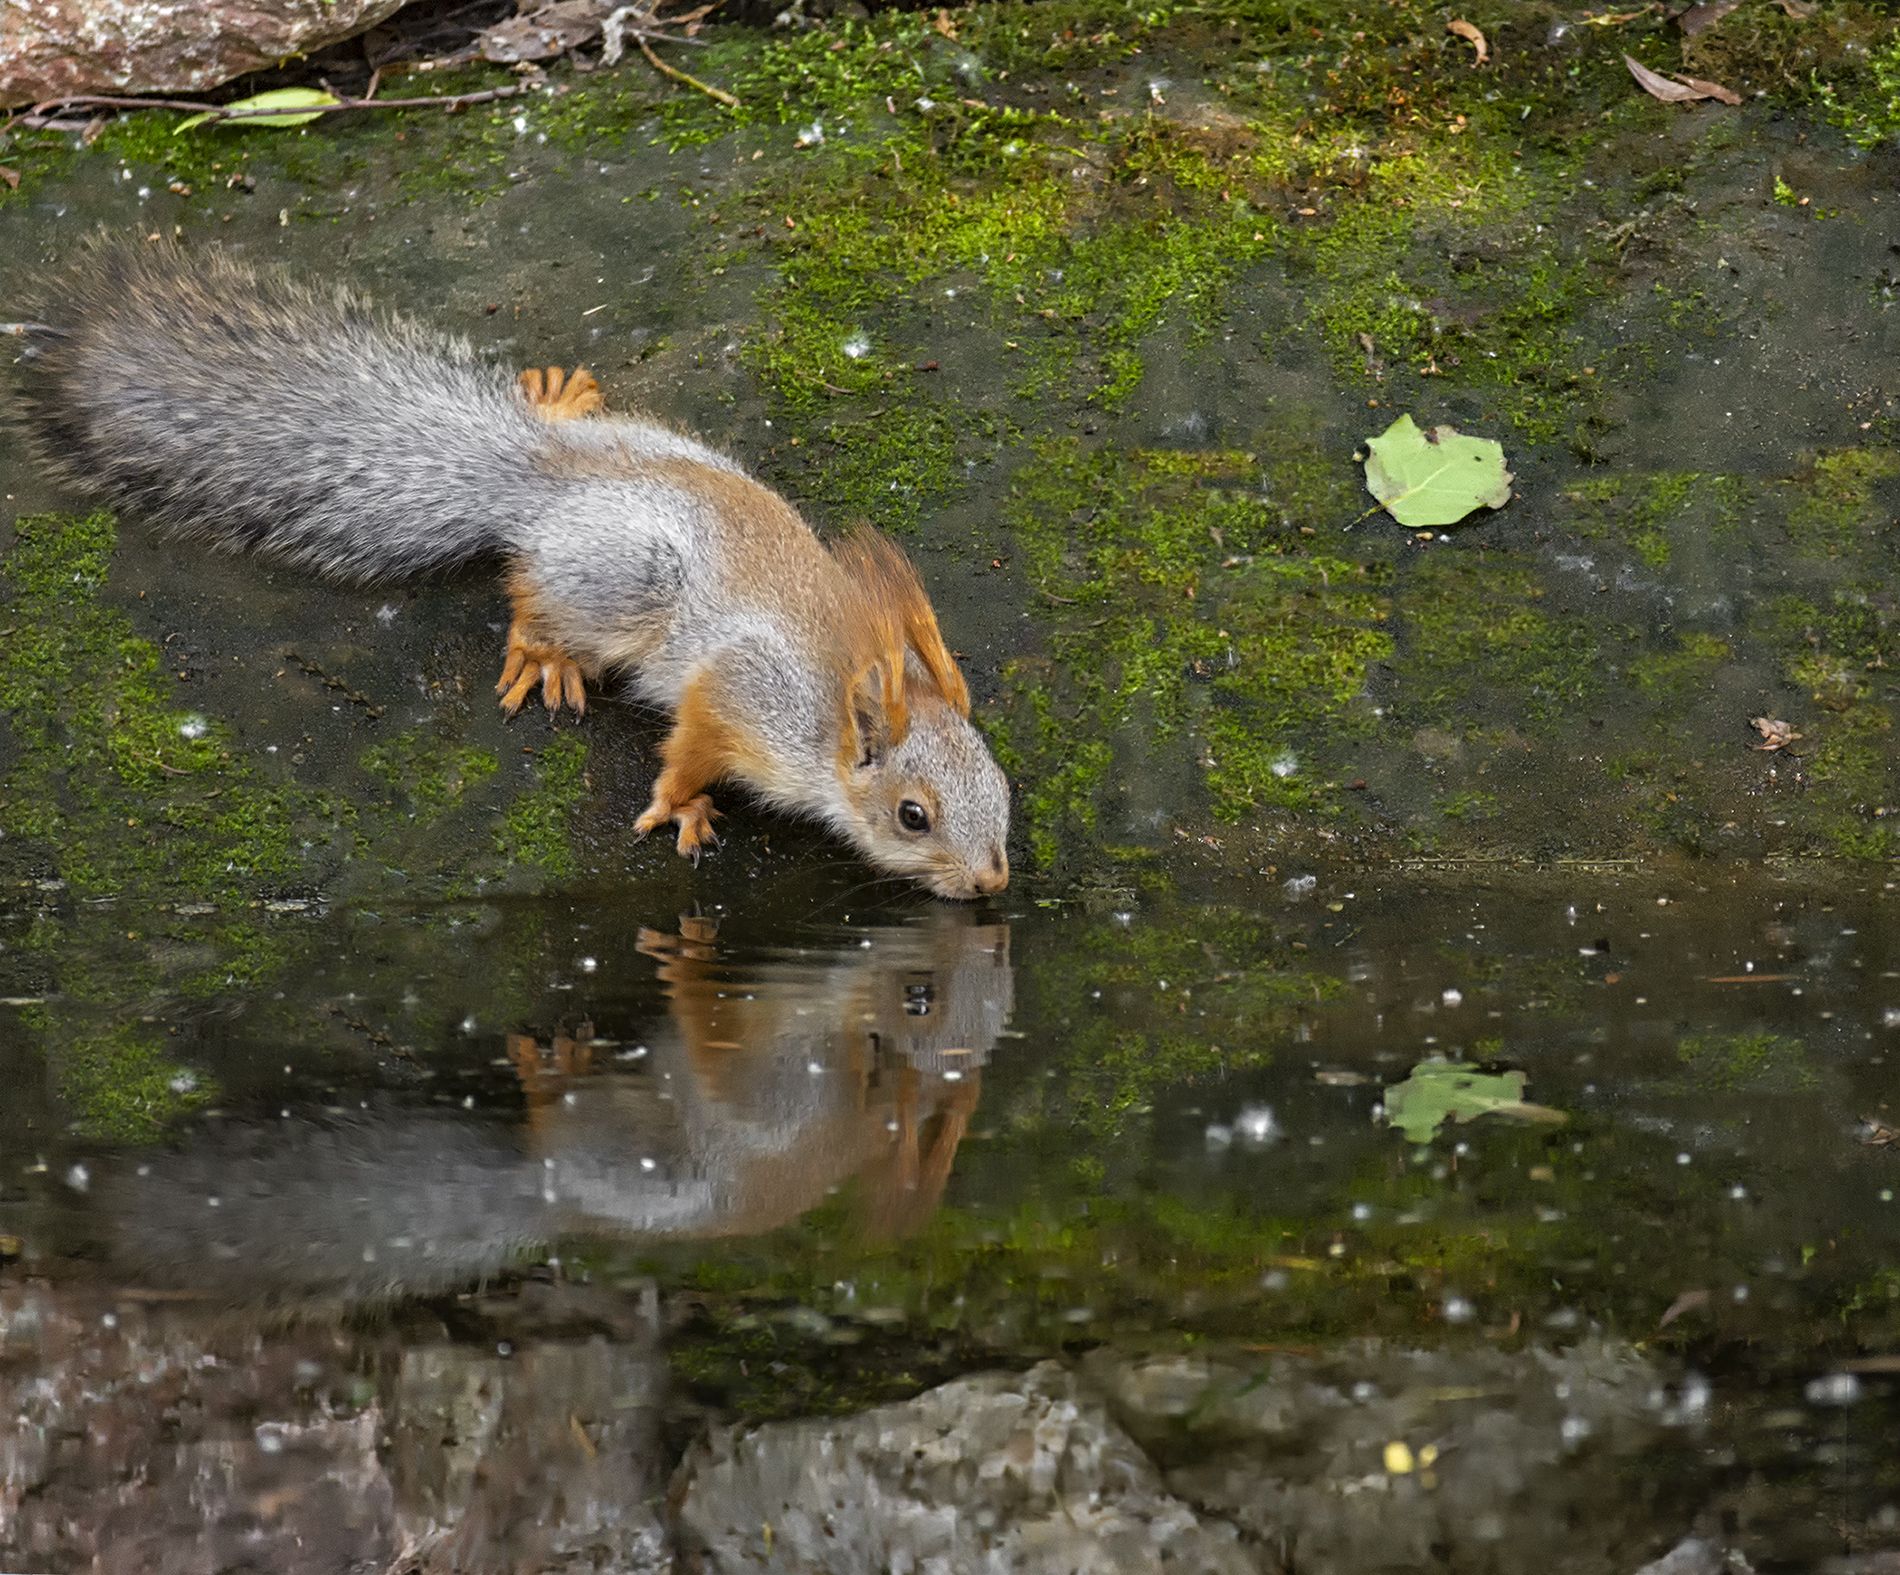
[(1428, 1085)]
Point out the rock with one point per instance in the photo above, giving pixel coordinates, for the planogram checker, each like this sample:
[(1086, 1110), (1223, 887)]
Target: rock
[(1002, 1474), (53, 48), (1375, 1457)]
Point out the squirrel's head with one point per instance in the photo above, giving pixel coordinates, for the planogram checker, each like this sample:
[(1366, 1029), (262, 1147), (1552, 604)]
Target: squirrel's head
[(929, 802), (922, 795)]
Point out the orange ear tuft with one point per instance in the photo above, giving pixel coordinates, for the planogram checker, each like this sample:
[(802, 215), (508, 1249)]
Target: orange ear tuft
[(895, 597)]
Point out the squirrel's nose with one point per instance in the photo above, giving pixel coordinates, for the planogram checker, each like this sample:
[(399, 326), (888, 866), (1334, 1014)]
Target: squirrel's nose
[(993, 879)]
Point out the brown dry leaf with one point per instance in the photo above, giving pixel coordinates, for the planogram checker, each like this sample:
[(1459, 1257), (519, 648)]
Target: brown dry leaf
[(1684, 90), (544, 32), (1800, 10), (1877, 1134), (1700, 18), (1707, 89), (1775, 734), (1469, 32), (11, 177), (1687, 1302), (945, 24)]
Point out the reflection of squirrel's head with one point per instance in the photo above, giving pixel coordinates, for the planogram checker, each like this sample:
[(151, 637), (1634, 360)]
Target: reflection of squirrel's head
[(922, 796), (937, 996)]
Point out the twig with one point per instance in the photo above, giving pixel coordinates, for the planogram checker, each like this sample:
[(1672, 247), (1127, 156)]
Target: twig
[(685, 78), (39, 112)]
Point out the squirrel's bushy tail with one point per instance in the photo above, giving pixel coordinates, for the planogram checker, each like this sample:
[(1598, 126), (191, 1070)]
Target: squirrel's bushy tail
[(260, 413)]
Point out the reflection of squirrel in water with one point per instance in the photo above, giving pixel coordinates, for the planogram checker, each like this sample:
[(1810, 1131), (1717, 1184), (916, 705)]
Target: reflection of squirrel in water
[(258, 413), (762, 1089)]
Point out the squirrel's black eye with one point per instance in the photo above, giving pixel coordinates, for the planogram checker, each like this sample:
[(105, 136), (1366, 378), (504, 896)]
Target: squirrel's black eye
[(912, 816)]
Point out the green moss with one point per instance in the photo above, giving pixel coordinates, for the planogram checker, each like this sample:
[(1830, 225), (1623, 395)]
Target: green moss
[(431, 773), (1182, 601), (1475, 634), (1664, 675), (537, 829), (1759, 1062), (1440, 262), (122, 1087), (130, 793), (1836, 503)]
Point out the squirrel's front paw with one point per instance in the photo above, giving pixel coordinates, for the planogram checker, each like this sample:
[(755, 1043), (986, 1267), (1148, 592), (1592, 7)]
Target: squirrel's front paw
[(694, 816), (528, 664)]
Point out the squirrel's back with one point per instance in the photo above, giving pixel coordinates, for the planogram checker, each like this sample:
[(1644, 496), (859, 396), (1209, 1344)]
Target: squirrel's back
[(259, 412)]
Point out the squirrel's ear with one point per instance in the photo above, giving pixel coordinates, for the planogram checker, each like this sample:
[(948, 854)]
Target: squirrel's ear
[(877, 718)]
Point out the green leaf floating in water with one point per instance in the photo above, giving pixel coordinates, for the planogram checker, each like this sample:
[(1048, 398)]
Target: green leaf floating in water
[(302, 105), (1436, 477), (1441, 1091)]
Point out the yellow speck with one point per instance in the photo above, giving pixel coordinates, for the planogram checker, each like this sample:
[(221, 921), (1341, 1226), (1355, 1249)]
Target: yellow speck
[(1398, 1458)]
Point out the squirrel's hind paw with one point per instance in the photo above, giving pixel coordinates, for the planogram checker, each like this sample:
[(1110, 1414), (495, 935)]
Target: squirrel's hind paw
[(561, 396), (527, 665), (694, 817)]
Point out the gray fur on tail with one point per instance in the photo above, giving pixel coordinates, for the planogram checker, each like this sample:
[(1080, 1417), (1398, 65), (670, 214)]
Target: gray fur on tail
[(259, 413)]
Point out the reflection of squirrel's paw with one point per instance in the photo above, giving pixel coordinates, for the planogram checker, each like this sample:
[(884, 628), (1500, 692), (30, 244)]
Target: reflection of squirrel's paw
[(558, 395), (694, 817), (529, 663)]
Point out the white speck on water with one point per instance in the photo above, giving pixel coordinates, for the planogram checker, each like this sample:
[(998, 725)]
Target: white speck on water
[(1219, 1135), (1362, 1212), (1574, 1431), (1300, 885), (1890, 1018), (1453, 997), (1833, 1389), (1284, 764), (183, 1083), (1256, 1125), (1682, 1159), (1738, 1193), (648, 1163), (858, 346), (1457, 1310), (521, 125), (468, 1025), (816, 1068), (193, 726), (386, 614), (79, 1178), (589, 964)]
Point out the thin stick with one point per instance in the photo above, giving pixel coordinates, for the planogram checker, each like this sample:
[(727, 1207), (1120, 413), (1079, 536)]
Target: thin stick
[(717, 94), (38, 113)]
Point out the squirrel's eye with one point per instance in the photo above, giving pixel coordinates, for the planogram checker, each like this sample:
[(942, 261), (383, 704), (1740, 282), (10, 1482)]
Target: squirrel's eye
[(912, 816)]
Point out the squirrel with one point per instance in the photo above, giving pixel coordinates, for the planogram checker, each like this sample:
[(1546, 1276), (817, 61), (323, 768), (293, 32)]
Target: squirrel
[(257, 412)]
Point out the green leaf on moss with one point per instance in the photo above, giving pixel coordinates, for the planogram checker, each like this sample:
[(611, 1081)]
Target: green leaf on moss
[(1434, 478)]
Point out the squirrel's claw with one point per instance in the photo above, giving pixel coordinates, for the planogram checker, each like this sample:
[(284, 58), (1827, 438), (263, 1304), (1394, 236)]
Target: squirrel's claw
[(557, 395), (556, 673), (694, 816)]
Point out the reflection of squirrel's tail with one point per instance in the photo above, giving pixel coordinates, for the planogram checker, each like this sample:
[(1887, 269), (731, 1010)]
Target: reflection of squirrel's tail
[(256, 412), (369, 1209)]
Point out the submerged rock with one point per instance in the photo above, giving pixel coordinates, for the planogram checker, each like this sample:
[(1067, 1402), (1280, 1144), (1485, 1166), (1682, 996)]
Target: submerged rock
[(54, 48)]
